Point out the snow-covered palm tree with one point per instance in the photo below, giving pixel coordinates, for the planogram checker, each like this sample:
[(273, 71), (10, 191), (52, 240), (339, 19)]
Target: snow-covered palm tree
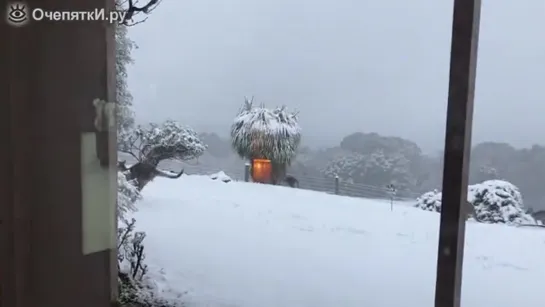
[(261, 133)]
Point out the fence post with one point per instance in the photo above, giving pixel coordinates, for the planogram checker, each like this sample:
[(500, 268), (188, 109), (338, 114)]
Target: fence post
[(247, 172), (336, 185), (392, 191)]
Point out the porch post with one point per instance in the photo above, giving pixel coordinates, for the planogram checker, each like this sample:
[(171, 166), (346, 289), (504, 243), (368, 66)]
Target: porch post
[(50, 254), (463, 62)]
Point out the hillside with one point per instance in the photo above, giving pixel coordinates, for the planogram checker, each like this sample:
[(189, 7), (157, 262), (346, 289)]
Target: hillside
[(252, 245)]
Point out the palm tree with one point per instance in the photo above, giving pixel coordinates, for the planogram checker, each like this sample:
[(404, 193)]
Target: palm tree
[(272, 134)]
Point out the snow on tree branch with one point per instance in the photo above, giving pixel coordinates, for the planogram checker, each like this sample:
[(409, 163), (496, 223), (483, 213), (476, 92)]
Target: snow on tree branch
[(169, 140), (258, 132)]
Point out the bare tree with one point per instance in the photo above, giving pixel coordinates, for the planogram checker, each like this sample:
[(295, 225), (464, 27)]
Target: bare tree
[(134, 8)]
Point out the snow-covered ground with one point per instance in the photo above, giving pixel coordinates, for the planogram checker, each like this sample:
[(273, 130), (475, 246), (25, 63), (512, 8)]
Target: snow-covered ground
[(251, 245)]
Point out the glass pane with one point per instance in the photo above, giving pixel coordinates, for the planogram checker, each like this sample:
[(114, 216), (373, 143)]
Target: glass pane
[(507, 159), (334, 199)]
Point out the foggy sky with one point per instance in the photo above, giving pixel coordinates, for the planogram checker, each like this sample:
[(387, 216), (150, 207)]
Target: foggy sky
[(346, 65)]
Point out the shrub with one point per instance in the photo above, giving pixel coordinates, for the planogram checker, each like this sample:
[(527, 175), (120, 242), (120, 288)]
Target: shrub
[(430, 201), (135, 288), (495, 201), (498, 201)]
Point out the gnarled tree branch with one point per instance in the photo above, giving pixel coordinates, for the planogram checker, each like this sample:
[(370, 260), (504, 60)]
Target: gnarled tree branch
[(132, 9)]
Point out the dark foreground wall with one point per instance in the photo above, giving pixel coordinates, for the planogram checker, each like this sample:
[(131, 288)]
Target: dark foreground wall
[(50, 73)]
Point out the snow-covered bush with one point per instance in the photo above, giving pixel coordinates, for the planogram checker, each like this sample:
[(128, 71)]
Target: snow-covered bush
[(221, 176), (430, 201), (127, 195), (498, 201), (135, 286), (495, 201)]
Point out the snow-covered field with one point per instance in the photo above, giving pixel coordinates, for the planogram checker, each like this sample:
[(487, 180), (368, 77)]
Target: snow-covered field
[(251, 245)]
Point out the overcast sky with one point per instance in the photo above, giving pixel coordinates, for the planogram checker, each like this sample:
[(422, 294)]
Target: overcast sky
[(346, 65)]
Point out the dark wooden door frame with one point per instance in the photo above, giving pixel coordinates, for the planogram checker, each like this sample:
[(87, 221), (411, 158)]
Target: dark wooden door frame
[(463, 63), (50, 73)]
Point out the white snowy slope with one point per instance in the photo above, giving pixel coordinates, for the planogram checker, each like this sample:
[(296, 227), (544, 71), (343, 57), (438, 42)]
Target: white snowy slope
[(251, 245)]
